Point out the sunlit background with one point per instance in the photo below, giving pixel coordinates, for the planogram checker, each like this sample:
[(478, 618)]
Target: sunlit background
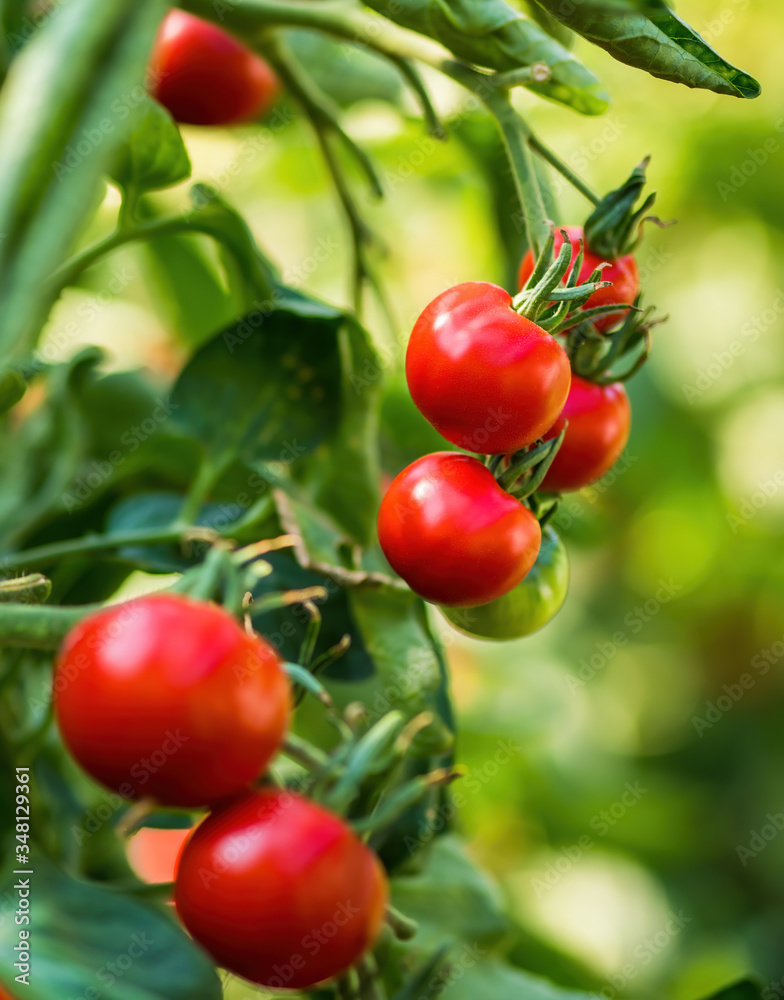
[(635, 817)]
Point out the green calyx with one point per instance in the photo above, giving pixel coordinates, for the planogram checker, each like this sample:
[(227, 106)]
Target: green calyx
[(553, 296), (614, 228), (594, 356), (524, 471)]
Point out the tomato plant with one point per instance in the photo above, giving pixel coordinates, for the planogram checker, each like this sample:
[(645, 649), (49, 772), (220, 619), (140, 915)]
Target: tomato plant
[(170, 698), (526, 608), (453, 534), (311, 897), (487, 378), (622, 273), (597, 419), (210, 620)]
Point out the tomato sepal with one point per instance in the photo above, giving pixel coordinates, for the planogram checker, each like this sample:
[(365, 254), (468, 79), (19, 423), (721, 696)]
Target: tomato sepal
[(615, 227)]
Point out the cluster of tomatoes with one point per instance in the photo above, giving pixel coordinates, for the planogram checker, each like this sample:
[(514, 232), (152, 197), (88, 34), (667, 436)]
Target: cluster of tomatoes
[(471, 534), (168, 698)]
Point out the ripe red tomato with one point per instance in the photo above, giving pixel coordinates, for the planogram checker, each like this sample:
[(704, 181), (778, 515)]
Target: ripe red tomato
[(622, 273), (485, 377), (599, 422), (204, 76), (527, 607), (279, 890), (453, 534), (168, 697)]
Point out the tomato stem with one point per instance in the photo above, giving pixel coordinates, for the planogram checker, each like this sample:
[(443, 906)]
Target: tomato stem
[(304, 753), (93, 543), (403, 927)]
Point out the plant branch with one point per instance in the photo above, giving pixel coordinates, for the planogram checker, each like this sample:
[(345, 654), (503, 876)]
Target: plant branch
[(39, 626), (92, 543)]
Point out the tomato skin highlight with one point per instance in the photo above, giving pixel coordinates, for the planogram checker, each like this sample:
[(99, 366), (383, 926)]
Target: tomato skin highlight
[(279, 890), (168, 697), (527, 607), (599, 423), (453, 534), (204, 76), (486, 378), (623, 273)]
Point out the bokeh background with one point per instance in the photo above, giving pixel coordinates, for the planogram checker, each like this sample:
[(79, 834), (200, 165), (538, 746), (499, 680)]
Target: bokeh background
[(626, 765)]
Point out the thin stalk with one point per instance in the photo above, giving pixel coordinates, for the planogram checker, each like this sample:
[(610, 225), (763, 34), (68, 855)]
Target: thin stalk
[(549, 156), (39, 627), (46, 554)]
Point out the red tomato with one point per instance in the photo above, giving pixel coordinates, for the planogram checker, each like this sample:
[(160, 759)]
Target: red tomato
[(599, 421), (279, 890), (622, 273), (204, 76), (453, 534), (485, 377), (168, 697), (152, 853)]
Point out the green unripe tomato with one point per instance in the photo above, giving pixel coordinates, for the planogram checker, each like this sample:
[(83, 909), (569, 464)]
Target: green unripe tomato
[(527, 607)]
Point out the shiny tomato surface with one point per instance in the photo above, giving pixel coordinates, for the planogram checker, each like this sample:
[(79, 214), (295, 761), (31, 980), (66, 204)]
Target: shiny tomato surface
[(453, 534), (623, 274), (168, 697), (279, 890), (204, 76), (527, 607), (599, 423), (486, 378)]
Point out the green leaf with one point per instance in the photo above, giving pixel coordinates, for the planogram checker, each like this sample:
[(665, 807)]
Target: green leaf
[(451, 899), (744, 989), (210, 214), (346, 74), (494, 979), (456, 905), (186, 288), (88, 940), (47, 451), (58, 132), (154, 155), (344, 471), (493, 34), (266, 388), (648, 35), (12, 388)]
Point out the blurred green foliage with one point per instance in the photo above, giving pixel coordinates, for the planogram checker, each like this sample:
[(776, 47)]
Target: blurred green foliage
[(629, 827)]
